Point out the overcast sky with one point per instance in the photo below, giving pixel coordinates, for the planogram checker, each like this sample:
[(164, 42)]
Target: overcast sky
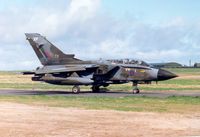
[(151, 30)]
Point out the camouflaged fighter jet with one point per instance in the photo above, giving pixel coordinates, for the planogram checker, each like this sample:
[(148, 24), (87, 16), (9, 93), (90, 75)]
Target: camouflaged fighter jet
[(64, 69)]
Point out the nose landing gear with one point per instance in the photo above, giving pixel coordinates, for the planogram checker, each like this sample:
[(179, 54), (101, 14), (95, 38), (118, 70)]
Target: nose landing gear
[(136, 90)]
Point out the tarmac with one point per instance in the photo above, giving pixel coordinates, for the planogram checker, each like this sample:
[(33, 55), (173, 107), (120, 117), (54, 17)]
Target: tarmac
[(159, 94)]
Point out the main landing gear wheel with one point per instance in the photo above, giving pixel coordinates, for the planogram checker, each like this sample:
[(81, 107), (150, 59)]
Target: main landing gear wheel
[(95, 89), (76, 89), (135, 88)]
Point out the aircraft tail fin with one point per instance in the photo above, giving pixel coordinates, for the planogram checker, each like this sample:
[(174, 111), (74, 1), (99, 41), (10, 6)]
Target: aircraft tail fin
[(47, 53)]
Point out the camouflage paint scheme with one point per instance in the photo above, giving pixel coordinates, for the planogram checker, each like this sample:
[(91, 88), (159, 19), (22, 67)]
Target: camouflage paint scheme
[(64, 69)]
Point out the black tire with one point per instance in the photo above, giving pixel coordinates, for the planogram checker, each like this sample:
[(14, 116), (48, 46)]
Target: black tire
[(136, 91), (95, 89)]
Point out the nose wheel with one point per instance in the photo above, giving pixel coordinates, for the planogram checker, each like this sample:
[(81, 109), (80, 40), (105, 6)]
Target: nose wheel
[(136, 90), (76, 89)]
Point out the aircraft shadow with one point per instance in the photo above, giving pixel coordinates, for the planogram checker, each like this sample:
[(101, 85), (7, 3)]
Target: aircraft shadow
[(37, 92)]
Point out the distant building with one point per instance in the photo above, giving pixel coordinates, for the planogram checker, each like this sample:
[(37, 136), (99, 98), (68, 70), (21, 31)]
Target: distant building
[(167, 65), (197, 65)]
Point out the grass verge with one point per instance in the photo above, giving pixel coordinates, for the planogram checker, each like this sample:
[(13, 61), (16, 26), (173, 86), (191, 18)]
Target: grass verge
[(137, 104)]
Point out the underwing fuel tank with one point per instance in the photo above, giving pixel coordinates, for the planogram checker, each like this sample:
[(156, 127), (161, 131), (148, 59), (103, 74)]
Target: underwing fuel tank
[(64, 81)]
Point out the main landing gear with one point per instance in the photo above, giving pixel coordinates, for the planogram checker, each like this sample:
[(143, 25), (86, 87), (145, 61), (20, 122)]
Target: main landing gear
[(136, 90), (76, 89), (95, 89)]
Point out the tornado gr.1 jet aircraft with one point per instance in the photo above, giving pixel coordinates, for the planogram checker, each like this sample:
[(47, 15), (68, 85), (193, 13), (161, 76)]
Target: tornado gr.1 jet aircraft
[(64, 69)]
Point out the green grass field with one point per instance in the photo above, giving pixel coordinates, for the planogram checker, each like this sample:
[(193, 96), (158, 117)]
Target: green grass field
[(139, 104), (180, 71)]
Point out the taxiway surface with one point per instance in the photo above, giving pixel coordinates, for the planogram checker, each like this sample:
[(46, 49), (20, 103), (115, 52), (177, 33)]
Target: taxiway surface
[(160, 94)]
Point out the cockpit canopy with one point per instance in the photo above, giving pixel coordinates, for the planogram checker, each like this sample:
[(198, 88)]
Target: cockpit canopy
[(128, 61)]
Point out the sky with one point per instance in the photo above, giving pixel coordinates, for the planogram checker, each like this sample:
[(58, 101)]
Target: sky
[(150, 30)]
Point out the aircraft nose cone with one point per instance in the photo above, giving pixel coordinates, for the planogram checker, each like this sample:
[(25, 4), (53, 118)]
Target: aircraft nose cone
[(165, 75)]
